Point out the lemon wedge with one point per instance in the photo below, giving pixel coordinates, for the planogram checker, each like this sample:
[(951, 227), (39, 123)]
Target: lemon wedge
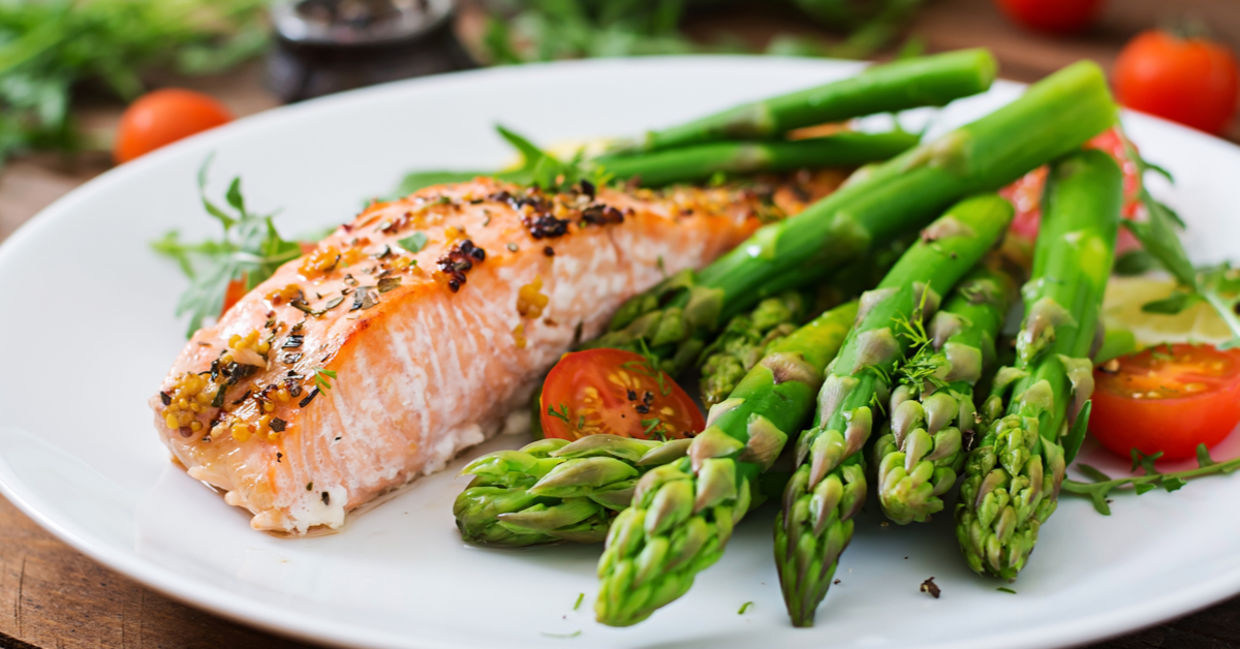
[(1121, 309)]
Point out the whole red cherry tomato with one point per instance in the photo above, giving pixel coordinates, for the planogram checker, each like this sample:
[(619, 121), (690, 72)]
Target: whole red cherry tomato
[(1052, 16), (1192, 81), (165, 116)]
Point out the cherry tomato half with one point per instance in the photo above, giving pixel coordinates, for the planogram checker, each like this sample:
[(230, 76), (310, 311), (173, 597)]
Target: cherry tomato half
[(1168, 398), (617, 392), (165, 116), (1193, 81), (1025, 193), (1052, 16)]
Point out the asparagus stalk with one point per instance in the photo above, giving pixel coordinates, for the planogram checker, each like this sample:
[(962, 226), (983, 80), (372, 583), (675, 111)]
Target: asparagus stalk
[(743, 341), (554, 490), (1013, 475), (931, 408), (701, 162), (924, 81), (698, 163), (1055, 116), (829, 485), (682, 513)]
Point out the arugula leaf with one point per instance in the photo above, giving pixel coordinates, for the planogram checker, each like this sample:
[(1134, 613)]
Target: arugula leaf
[(1150, 478), (250, 249), (1218, 286)]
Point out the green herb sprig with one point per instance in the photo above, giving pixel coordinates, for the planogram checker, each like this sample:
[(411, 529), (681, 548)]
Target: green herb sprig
[(1102, 485), (1218, 286), (250, 250)]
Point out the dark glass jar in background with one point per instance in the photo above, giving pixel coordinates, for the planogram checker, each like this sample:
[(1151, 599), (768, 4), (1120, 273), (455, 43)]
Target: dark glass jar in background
[(325, 46)]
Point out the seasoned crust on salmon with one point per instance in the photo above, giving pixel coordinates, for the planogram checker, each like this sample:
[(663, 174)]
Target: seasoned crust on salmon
[(413, 332)]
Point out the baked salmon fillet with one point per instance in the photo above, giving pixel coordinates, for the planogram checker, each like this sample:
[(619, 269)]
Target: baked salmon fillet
[(415, 331)]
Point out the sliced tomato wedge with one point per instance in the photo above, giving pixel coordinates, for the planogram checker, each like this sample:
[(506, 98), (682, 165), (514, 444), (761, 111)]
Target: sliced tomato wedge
[(1167, 399), (617, 392)]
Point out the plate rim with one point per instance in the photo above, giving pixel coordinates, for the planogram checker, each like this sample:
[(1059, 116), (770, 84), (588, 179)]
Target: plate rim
[(287, 622)]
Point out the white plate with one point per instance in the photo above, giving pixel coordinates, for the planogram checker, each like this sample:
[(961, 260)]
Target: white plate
[(87, 333)]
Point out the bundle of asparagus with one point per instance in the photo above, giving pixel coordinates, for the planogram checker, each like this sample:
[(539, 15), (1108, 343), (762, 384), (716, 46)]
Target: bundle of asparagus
[(1055, 116), (682, 513), (1012, 476), (749, 138), (687, 495), (829, 485)]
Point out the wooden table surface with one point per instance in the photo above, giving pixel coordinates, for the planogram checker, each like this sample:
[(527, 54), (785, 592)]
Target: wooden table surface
[(53, 596)]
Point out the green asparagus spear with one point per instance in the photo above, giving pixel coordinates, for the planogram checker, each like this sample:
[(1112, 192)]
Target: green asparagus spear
[(742, 342), (553, 490), (703, 161), (828, 487), (682, 513), (924, 81), (1055, 116), (931, 409), (1012, 477), (694, 163)]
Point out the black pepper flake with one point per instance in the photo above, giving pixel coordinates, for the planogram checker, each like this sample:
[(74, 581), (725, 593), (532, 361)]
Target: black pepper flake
[(587, 188), (326, 498), (631, 395), (387, 250), (279, 456), (642, 408), (165, 398), (314, 392), (549, 251), (278, 424), (293, 341), (928, 586), (458, 261), (600, 214), (309, 486), (239, 400), (350, 280)]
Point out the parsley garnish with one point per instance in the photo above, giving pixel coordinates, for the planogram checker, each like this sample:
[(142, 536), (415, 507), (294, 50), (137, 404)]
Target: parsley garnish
[(580, 598), (744, 607), (414, 242), (250, 250)]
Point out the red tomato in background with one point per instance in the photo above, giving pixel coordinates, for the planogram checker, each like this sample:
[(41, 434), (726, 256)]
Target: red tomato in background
[(165, 116), (1168, 399), (1192, 81), (1052, 16), (1025, 193), (616, 392)]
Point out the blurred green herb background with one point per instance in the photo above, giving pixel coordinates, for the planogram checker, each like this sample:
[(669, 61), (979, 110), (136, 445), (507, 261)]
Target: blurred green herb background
[(53, 53)]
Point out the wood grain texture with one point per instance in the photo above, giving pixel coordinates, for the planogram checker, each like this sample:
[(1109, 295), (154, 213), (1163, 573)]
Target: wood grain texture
[(52, 596)]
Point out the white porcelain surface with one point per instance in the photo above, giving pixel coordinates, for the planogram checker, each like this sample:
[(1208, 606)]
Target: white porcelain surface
[(86, 334)]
